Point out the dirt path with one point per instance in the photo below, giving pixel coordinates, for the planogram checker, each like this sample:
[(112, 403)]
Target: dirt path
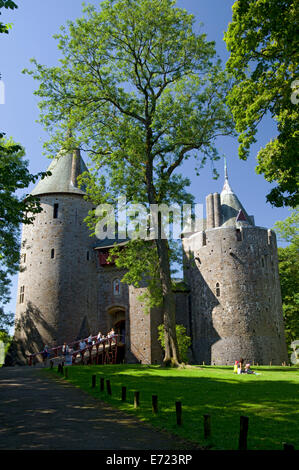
[(39, 413)]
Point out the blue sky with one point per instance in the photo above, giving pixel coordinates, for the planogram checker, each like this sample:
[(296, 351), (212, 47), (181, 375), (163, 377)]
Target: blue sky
[(34, 24)]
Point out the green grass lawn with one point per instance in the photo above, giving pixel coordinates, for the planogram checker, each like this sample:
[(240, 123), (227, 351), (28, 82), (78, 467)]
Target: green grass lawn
[(270, 400)]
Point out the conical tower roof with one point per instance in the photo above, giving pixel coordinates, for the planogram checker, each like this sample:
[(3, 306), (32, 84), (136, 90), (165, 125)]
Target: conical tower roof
[(65, 169), (231, 208)]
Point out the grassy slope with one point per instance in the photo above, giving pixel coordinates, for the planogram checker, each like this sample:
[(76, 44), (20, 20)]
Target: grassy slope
[(270, 400)]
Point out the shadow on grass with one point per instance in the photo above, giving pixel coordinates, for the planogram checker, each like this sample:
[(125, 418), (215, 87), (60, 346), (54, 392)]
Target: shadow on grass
[(270, 400)]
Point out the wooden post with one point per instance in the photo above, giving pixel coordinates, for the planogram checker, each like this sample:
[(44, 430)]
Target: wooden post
[(102, 384), (155, 404), (207, 426), (51, 364), (178, 406), (59, 368), (243, 432), (66, 372), (136, 399), (288, 446), (123, 393), (93, 381), (108, 387)]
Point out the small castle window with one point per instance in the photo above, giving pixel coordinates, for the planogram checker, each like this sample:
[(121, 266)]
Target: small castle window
[(87, 255), (52, 253), (116, 287), (239, 234), (217, 289), (55, 211), (263, 262), (22, 293), (204, 238)]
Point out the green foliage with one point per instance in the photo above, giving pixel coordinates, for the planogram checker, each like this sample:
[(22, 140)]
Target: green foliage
[(14, 210), (140, 90), (140, 264), (184, 341), (262, 40), (4, 28), (288, 257), (5, 338), (288, 229)]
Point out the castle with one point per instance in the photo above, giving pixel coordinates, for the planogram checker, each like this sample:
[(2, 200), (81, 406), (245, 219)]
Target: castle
[(230, 303)]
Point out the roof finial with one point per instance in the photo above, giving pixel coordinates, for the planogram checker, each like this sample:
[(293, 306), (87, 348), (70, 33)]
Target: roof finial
[(226, 186), (225, 169)]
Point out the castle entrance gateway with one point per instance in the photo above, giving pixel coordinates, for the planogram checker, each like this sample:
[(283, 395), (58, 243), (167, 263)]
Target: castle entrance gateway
[(117, 321)]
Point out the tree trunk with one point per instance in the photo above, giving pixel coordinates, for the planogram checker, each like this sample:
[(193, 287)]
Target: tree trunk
[(171, 357)]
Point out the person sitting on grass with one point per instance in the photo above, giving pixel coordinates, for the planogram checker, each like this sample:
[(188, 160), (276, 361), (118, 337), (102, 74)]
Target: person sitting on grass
[(236, 367), (249, 371), (240, 366)]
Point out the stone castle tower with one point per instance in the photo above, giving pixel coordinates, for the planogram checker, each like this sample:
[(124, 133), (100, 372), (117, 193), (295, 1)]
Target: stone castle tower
[(231, 268), (56, 288)]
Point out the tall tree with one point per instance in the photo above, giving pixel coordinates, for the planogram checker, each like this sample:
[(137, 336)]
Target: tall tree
[(141, 92), (263, 43), (288, 231)]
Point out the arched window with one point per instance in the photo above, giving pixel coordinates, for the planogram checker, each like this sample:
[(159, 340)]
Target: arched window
[(116, 287), (52, 253), (217, 289)]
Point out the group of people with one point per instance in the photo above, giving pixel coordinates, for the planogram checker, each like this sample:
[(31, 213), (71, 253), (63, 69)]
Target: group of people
[(240, 368), (83, 344)]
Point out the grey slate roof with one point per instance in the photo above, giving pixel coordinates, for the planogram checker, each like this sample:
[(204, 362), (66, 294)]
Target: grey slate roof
[(230, 206), (65, 169)]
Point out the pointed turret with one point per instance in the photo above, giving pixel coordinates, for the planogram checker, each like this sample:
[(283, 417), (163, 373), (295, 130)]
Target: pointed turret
[(231, 208), (65, 169)]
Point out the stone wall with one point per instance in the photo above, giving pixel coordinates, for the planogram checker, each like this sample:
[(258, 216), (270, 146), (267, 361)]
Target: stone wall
[(141, 339), (235, 291)]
